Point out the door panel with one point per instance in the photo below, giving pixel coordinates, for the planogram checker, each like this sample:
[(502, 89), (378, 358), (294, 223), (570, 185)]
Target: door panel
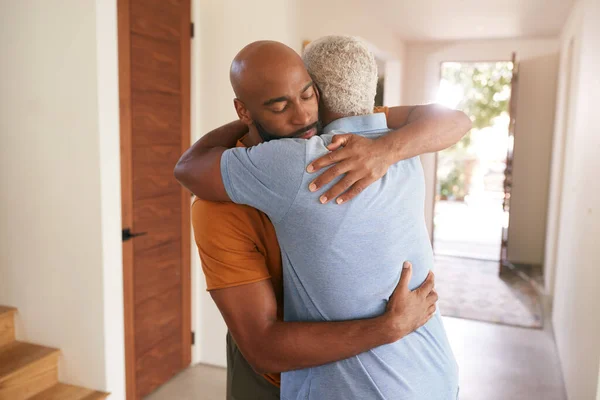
[(154, 116), (165, 211), (154, 65), (154, 79), (157, 319), (156, 271), (153, 171), (156, 18), (167, 354)]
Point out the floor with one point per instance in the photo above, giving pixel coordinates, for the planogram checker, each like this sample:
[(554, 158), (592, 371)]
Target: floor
[(508, 298), (496, 363)]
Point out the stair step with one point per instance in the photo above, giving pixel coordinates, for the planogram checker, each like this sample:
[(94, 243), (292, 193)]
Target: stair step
[(61, 391), (7, 325), (26, 370)]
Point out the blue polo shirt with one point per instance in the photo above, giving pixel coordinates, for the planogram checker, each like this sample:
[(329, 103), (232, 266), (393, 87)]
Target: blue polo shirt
[(342, 262)]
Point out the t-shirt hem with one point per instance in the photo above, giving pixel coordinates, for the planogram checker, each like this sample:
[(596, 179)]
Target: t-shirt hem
[(234, 284)]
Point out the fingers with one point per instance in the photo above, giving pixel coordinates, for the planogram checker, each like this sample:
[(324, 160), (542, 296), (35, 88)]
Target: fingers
[(405, 276), (432, 297), (428, 285), (431, 310), (354, 190), (338, 141), (429, 317), (430, 314), (329, 175), (333, 157), (344, 184), (325, 161)]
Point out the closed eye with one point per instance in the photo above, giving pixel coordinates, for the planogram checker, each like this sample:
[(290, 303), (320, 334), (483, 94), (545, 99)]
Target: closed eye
[(280, 111)]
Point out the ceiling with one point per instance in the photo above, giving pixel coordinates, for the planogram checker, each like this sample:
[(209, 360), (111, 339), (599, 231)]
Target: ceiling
[(424, 20)]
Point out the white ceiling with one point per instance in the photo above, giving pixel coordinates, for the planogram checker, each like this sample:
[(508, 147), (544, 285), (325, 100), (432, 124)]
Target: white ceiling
[(420, 20)]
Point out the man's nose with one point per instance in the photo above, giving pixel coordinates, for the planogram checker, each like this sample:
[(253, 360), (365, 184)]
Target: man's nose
[(302, 115)]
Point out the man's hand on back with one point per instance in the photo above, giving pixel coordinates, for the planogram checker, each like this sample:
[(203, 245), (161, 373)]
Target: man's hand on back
[(409, 310), (416, 130), (362, 160)]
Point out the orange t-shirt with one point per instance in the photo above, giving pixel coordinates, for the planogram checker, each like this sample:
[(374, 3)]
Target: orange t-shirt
[(382, 109), (238, 246)]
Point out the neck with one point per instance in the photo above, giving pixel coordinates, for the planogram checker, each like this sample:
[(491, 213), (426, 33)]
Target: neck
[(253, 138)]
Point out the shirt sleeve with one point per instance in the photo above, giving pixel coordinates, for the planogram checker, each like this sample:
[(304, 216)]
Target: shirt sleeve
[(226, 246), (266, 177)]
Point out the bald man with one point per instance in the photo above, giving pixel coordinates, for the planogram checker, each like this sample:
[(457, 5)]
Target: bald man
[(277, 99)]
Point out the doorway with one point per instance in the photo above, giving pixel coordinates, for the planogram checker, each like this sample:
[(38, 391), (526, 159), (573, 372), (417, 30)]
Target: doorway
[(472, 202), (154, 90), (469, 216)]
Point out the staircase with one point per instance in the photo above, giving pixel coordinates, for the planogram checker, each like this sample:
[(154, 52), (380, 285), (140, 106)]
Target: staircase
[(29, 371)]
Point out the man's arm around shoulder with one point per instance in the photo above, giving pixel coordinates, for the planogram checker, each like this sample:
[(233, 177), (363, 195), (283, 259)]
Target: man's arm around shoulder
[(199, 168)]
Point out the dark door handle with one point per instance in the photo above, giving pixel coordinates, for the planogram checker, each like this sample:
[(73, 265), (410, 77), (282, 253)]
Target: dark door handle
[(127, 234)]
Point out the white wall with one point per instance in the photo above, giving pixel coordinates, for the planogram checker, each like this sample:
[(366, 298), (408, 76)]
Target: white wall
[(394, 76), (107, 75), (533, 150), (598, 390), (565, 112), (346, 17), (316, 18), (392, 85), (60, 250), (421, 81), (224, 27), (576, 318)]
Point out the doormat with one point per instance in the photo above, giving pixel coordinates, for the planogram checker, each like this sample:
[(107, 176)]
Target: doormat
[(473, 289)]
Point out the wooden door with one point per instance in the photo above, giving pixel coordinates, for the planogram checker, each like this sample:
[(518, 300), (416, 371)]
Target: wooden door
[(154, 74), (508, 172)]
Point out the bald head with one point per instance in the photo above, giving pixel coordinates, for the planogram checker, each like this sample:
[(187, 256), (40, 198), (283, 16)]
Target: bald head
[(260, 63), (275, 95)]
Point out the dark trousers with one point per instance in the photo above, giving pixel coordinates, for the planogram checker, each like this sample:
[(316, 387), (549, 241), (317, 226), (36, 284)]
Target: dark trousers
[(242, 382)]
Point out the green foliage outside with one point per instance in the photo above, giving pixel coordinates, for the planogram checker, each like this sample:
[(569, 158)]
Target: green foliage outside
[(453, 186), (486, 94), (486, 89)]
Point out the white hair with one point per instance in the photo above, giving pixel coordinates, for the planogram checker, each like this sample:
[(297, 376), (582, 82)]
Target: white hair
[(345, 71)]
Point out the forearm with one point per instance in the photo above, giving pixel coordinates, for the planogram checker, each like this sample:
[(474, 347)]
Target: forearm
[(286, 346), (202, 158), (428, 129)]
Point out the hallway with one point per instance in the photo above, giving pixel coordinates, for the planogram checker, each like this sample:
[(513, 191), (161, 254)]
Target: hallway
[(496, 363), (503, 362)]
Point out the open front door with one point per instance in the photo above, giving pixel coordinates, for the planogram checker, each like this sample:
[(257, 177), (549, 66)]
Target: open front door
[(508, 172), (154, 89)]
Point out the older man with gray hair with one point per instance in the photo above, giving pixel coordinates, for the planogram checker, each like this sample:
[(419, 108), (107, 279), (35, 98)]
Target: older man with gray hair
[(346, 73), (342, 260)]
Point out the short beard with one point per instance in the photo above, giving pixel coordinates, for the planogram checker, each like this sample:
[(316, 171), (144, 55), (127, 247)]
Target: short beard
[(267, 136)]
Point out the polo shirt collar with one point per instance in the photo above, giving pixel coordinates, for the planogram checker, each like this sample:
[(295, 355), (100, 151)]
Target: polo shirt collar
[(359, 123)]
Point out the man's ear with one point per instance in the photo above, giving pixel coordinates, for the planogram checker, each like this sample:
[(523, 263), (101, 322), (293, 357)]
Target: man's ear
[(242, 112)]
